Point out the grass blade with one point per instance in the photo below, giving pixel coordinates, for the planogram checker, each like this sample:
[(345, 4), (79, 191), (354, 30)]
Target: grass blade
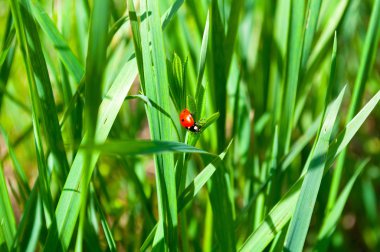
[(67, 57), (281, 213), (7, 218), (295, 41), (332, 218), (366, 62), (300, 222), (68, 205), (141, 147)]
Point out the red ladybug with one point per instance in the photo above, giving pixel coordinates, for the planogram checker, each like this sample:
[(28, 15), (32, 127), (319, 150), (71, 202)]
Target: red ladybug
[(187, 121)]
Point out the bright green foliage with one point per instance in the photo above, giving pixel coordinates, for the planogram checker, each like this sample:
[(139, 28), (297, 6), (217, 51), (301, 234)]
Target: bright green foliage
[(93, 156)]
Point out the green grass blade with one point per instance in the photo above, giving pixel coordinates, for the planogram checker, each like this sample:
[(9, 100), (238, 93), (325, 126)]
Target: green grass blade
[(64, 52), (7, 218), (200, 180), (313, 9), (295, 41), (323, 43), (300, 222), (6, 56), (95, 66), (107, 231), (21, 177), (201, 87), (68, 205), (332, 218), (191, 191), (31, 223), (233, 25), (351, 128), (39, 83), (135, 25), (165, 163), (141, 147), (366, 62), (282, 212), (219, 77)]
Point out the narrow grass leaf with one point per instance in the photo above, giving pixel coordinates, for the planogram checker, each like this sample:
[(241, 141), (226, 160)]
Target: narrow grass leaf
[(332, 218), (366, 62), (199, 94), (300, 222), (142, 147), (68, 205), (64, 52), (281, 213), (191, 190), (295, 41), (39, 83), (7, 55), (7, 218), (95, 66), (21, 177), (31, 223), (107, 231), (200, 180), (323, 43), (135, 26), (165, 164), (313, 9)]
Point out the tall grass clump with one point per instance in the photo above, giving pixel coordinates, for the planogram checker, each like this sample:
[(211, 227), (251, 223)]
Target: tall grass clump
[(284, 96)]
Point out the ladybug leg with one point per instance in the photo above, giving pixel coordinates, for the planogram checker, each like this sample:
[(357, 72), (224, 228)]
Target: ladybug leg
[(195, 128)]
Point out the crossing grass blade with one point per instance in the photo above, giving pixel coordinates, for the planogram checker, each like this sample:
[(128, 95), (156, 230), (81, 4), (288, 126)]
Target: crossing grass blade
[(68, 205), (281, 213), (300, 222), (192, 189), (63, 50), (88, 166), (322, 44), (31, 223), (39, 83), (333, 216), (21, 177), (135, 147), (366, 62)]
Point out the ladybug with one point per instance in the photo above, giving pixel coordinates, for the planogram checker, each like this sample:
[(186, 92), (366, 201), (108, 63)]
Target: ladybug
[(187, 121)]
